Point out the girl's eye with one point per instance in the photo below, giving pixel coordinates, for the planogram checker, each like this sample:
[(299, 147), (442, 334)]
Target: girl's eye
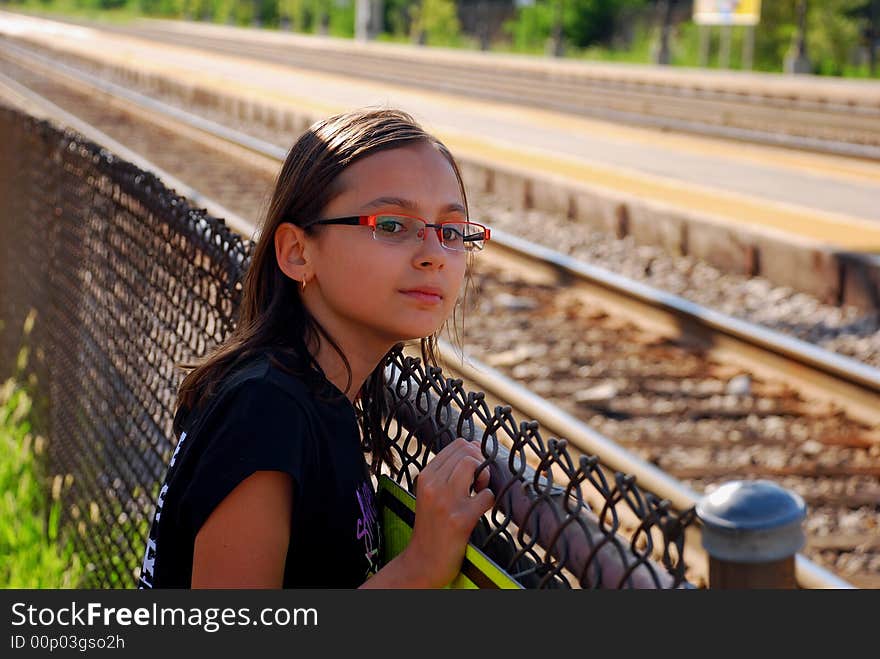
[(451, 234), (387, 226)]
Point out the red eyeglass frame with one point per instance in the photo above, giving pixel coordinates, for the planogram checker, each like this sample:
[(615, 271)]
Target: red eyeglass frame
[(370, 221)]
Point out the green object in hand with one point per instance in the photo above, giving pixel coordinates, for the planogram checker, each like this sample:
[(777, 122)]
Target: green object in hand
[(397, 512)]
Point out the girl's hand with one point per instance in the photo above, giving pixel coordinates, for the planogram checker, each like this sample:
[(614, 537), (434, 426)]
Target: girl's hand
[(446, 512)]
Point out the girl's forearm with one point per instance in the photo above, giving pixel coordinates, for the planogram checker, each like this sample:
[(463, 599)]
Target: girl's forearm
[(401, 572)]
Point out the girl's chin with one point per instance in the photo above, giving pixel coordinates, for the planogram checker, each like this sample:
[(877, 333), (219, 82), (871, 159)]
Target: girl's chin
[(405, 335)]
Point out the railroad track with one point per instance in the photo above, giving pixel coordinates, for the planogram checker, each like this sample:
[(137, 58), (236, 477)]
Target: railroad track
[(691, 395), (843, 330), (822, 126)]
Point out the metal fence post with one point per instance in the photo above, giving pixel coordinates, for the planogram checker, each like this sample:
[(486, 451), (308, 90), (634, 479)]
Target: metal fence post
[(752, 531)]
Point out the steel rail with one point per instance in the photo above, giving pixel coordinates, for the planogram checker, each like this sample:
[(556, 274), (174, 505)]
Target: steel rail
[(851, 383), (589, 441), (516, 503), (579, 434), (47, 109), (813, 366), (521, 506)]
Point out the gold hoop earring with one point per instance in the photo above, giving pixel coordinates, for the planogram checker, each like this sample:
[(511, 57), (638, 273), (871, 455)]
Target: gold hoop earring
[(304, 284)]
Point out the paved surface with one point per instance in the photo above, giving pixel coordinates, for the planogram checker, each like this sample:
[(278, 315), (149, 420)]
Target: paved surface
[(829, 198), (849, 91)]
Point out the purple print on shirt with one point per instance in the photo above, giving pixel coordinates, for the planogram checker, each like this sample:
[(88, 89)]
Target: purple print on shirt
[(368, 527)]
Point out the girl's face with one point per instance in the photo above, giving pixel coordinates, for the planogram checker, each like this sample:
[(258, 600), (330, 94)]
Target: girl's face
[(375, 291)]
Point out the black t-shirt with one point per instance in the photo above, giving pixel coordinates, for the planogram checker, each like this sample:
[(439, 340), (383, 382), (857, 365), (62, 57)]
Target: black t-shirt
[(265, 419)]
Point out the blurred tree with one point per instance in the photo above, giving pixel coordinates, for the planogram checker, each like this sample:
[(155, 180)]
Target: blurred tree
[(203, 10), (103, 4), (832, 34), (584, 23), (243, 12), (531, 27), (322, 16), (397, 16), (591, 22), (867, 14), (775, 33), (161, 7), (285, 14), (300, 12), (342, 18), (435, 22)]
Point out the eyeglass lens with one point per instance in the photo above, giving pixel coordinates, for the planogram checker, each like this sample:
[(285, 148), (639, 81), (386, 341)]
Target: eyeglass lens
[(458, 236)]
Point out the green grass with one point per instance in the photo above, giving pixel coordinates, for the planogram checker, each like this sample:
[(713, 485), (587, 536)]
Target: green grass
[(35, 552), (75, 9)]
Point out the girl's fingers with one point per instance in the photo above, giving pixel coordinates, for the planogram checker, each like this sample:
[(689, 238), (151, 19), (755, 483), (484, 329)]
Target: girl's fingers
[(438, 470), (453, 471), (443, 464), (445, 456), (483, 479), (462, 477), (481, 502)]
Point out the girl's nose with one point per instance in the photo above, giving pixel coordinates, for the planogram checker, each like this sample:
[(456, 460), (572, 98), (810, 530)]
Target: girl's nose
[(431, 253)]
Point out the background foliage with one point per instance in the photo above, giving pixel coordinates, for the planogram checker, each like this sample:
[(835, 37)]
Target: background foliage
[(838, 35), (35, 551)]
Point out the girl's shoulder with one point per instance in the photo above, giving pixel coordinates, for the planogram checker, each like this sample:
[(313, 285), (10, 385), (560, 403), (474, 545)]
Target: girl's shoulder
[(256, 409), (262, 376), (263, 392), (252, 378), (266, 375)]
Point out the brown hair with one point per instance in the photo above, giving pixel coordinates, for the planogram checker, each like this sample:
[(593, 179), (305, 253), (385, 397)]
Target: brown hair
[(271, 316)]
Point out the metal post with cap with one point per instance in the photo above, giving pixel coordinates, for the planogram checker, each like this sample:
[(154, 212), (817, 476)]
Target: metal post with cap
[(752, 531)]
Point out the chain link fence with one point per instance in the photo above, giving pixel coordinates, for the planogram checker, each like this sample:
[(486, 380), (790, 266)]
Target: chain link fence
[(108, 280)]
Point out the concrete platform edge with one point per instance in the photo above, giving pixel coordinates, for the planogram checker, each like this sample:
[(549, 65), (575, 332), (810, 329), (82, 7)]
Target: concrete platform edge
[(832, 275)]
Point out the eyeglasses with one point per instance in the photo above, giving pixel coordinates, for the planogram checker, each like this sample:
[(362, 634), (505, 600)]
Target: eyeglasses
[(399, 229)]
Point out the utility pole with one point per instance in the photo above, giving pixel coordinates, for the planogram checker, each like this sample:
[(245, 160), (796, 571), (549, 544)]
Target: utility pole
[(377, 19), (873, 35), (257, 19), (724, 47), (361, 20), (323, 19), (664, 55), (556, 39), (484, 14), (799, 62), (705, 39), (748, 55)]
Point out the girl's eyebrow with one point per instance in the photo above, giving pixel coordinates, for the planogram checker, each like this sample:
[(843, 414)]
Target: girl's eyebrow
[(410, 205)]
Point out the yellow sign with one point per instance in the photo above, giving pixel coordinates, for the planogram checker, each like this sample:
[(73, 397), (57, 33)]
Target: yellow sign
[(727, 12)]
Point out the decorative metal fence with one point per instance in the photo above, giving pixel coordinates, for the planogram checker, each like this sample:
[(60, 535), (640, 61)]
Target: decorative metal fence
[(117, 280)]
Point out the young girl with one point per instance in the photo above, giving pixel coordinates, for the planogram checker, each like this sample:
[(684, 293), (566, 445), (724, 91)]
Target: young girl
[(365, 245)]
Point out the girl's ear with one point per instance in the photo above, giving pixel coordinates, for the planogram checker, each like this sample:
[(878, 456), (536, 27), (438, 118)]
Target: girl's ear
[(290, 251)]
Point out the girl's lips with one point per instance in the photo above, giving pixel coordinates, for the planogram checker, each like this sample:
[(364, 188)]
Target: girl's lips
[(424, 296)]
